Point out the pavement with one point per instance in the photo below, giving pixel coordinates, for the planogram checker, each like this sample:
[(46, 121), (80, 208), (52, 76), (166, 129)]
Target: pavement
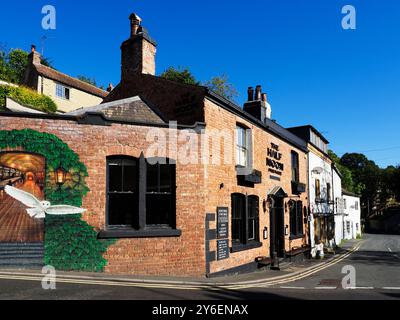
[(375, 260)]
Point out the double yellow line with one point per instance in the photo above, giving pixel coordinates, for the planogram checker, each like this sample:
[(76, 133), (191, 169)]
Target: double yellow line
[(213, 287)]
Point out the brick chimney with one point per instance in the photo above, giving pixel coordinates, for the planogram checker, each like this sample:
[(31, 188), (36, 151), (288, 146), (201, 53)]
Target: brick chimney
[(138, 52), (257, 104), (34, 57)]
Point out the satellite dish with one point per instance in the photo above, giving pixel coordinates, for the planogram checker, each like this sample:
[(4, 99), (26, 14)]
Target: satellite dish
[(317, 170)]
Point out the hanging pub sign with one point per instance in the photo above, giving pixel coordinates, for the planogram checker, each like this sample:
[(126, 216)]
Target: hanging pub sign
[(274, 158), (222, 223)]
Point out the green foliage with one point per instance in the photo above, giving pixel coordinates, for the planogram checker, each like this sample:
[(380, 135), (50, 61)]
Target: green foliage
[(27, 97), (57, 154), (358, 236), (347, 177), (366, 177), (217, 84), (13, 64), (17, 63), (181, 75), (88, 80), (221, 86), (72, 244)]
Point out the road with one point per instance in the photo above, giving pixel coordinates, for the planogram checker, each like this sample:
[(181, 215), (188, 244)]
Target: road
[(377, 276)]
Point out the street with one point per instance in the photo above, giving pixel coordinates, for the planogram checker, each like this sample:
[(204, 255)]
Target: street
[(376, 263)]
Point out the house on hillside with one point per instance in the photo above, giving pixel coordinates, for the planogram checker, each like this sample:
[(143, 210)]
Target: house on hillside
[(68, 93)]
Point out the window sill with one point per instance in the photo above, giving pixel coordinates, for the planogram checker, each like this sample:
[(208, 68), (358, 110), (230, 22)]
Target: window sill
[(145, 233), (295, 237), (243, 247)]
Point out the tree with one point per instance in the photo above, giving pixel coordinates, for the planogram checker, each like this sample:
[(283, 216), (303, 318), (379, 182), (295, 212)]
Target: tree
[(367, 178), (221, 86), (91, 81), (181, 75), (347, 177), (17, 64), (388, 185), (13, 64), (217, 84)]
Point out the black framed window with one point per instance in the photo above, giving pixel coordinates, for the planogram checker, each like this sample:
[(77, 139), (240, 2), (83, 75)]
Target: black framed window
[(238, 214), (328, 192), (295, 167), (141, 197), (160, 195), (317, 189), (253, 221), (296, 218), (122, 191), (245, 219)]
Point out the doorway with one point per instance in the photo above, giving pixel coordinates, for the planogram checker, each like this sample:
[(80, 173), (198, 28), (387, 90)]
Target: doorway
[(24, 171), (277, 233)]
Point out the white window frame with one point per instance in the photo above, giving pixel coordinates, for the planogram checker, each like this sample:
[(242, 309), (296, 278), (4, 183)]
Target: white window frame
[(243, 146), (61, 91)]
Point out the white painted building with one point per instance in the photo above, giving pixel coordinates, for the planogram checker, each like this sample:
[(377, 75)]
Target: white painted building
[(339, 205), (322, 223), (352, 216)]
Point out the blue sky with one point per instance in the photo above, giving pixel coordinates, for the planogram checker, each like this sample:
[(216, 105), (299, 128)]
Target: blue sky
[(344, 82)]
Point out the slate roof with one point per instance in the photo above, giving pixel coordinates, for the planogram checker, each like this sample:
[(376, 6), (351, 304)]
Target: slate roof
[(69, 81), (132, 109)]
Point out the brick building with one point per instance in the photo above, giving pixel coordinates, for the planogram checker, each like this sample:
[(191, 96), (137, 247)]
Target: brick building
[(224, 189)]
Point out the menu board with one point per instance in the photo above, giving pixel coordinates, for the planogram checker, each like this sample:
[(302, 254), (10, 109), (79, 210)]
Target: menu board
[(222, 249), (222, 223)]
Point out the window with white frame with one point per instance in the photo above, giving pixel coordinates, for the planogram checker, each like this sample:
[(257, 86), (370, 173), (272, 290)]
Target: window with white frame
[(243, 137), (62, 91)]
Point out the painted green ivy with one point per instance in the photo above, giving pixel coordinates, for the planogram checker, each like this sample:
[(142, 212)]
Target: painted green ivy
[(70, 242), (57, 154)]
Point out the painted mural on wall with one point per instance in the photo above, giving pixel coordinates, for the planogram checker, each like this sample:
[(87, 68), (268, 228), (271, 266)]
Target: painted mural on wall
[(42, 183)]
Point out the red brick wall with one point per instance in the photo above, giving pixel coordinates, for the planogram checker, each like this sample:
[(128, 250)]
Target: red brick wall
[(178, 256), (218, 118)]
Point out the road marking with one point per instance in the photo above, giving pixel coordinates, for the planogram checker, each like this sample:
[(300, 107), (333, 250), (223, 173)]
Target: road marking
[(191, 286), (297, 288), (325, 288), (360, 288), (390, 249), (391, 288), (310, 272)]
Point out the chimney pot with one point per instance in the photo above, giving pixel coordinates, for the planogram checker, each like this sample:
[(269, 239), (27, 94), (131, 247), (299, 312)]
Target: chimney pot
[(258, 93), (110, 87), (264, 97), (135, 24), (250, 94)]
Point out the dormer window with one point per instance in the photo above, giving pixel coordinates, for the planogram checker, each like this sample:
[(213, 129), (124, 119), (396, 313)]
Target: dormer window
[(62, 91)]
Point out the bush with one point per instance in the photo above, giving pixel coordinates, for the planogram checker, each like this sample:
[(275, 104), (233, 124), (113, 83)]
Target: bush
[(72, 244), (27, 97)]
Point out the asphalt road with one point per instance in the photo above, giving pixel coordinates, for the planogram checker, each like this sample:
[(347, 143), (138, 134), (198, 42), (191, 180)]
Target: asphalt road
[(377, 276)]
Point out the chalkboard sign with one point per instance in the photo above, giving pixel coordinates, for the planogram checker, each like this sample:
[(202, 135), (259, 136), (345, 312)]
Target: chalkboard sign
[(222, 249), (222, 223)]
